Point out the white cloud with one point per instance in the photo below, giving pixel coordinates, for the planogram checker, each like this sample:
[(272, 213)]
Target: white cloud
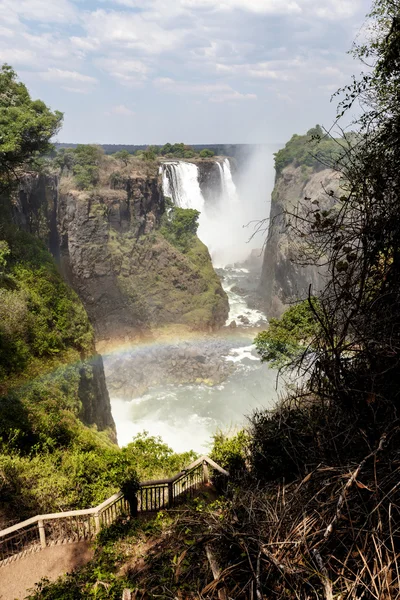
[(121, 110), (6, 32), (16, 56), (215, 92), (45, 11), (55, 74), (132, 31), (76, 90), (256, 6), (128, 72)]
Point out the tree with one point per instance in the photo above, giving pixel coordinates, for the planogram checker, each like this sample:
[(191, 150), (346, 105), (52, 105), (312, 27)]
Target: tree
[(123, 155), (357, 350), (26, 127), (206, 153), (290, 336), (65, 159)]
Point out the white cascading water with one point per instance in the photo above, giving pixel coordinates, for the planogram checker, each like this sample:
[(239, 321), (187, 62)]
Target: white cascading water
[(181, 184), (229, 191), (216, 228), (219, 225)]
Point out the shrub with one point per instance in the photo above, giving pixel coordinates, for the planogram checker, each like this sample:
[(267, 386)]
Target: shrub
[(206, 153), (180, 226)]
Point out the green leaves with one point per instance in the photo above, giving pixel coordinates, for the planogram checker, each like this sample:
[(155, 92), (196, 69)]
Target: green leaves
[(26, 126), (288, 337)]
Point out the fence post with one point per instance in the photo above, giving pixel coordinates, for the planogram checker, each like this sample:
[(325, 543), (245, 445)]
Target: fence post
[(206, 473), (42, 534), (97, 522), (170, 494)]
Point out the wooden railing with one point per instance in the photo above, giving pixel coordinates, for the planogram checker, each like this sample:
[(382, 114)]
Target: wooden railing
[(42, 531)]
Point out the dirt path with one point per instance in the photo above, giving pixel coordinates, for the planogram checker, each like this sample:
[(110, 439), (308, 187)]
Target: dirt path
[(18, 577)]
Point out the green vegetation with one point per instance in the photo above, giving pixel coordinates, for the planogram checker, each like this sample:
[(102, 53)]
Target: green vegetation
[(206, 153), (83, 162), (123, 155), (180, 150), (154, 459), (313, 509), (180, 227), (26, 127), (290, 336), (315, 150), (40, 316)]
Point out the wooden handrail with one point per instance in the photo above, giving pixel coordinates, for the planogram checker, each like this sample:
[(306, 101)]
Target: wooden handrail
[(196, 463), (104, 505)]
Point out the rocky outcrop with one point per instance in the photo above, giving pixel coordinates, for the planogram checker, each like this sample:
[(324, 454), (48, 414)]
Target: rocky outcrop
[(210, 180), (283, 280), (132, 372), (110, 248)]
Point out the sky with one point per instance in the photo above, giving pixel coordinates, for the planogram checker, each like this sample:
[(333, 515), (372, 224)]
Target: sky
[(197, 71)]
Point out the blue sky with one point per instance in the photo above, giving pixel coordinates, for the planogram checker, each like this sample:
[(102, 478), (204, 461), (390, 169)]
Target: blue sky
[(198, 71)]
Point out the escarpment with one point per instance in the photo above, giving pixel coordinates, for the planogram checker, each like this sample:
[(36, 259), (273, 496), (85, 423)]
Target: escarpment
[(110, 246), (283, 280)]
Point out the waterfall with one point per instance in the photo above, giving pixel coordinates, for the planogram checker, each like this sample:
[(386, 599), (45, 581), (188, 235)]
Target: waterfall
[(181, 184), (229, 191)]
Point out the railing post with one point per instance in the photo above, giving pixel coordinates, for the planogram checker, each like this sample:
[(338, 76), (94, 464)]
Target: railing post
[(97, 522), (42, 534), (206, 473), (170, 494)]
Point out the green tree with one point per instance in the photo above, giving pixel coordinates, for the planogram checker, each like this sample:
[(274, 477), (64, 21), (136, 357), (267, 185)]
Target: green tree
[(86, 168), (65, 159), (26, 127), (288, 337), (206, 153), (180, 226), (123, 155)]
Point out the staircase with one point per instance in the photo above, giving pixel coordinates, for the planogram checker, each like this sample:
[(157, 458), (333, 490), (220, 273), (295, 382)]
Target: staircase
[(44, 531)]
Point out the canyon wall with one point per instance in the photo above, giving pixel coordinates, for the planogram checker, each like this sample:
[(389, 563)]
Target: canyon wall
[(110, 247), (283, 281)]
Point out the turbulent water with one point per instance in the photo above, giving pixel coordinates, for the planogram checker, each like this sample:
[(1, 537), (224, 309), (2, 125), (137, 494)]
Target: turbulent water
[(186, 416)]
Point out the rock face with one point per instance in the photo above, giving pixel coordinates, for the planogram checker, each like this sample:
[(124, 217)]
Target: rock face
[(210, 180), (282, 280), (110, 248)]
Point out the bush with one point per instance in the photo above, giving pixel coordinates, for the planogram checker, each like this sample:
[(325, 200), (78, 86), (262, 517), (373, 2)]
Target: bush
[(206, 153), (310, 150), (290, 336), (180, 227)]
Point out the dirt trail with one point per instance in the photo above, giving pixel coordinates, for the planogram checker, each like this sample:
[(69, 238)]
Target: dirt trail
[(18, 577)]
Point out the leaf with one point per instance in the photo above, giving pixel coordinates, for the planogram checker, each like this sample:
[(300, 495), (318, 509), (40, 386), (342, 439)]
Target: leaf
[(362, 486)]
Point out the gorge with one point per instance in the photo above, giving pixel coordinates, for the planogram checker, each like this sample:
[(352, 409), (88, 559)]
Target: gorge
[(176, 344)]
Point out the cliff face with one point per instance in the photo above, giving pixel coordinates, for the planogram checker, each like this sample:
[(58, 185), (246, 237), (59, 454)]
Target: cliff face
[(282, 280), (110, 248), (209, 180)]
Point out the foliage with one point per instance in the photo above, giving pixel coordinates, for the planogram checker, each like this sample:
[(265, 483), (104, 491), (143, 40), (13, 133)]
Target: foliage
[(180, 226), (181, 151), (123, 155), (26, 127), (314, 150), (230, 452), (206, 153), (290, 336), (4, 252), (84, 163), (153, 458), (40, 316)]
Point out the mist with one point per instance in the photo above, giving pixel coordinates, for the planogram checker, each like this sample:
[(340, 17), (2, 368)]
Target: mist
[(226, 226)]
